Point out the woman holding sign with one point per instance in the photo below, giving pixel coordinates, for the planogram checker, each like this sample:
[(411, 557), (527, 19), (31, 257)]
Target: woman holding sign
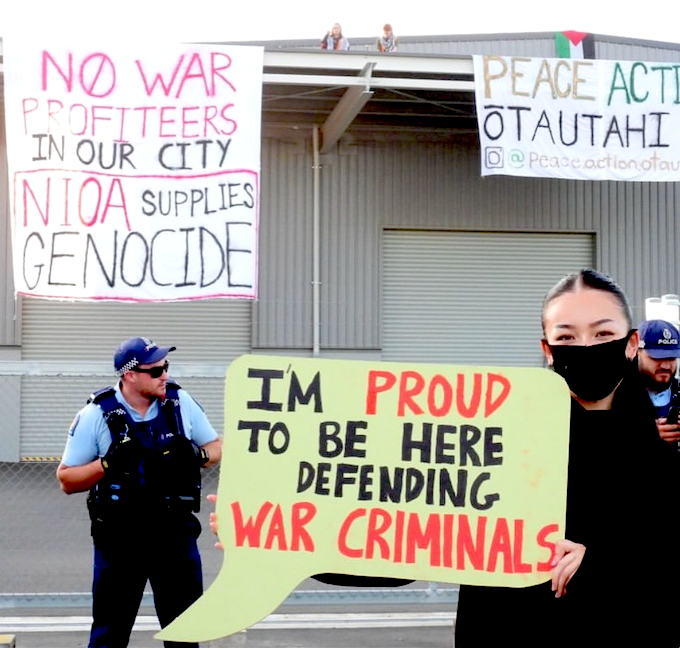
[(613, 582)]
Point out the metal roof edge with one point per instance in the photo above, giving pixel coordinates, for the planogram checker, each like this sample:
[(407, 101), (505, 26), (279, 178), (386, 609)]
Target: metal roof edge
[(398, 62), (304, 43), (309, 48)]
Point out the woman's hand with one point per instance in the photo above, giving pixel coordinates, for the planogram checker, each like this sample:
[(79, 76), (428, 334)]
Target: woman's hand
[(212, 498), (567, 559)]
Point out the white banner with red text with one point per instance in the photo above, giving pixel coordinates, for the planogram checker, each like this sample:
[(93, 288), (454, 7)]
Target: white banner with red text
[(134, 169)]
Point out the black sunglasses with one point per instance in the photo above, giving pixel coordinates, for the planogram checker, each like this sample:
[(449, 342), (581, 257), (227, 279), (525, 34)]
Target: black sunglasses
[(154, 372)]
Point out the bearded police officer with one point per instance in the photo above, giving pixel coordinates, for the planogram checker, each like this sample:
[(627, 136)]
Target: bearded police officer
[(139, 448), (658, 355)]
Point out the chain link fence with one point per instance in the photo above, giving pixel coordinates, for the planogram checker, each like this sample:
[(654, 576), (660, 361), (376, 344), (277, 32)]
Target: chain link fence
[(45, 544), (46, 549)]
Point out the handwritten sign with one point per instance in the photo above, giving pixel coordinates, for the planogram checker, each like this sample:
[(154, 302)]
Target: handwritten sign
[(583, 120), (134, 169), (419, 471)]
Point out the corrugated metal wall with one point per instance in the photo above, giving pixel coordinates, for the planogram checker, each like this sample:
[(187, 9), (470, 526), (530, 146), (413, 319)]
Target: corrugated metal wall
[(530, 46), (211, 332), (541, 45), (207, 334), (612, 50), (351, 214), (9, 321), (437, 185), (282, 316)]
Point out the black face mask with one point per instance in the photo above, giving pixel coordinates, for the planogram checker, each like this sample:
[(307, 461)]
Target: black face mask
[(592, 372)]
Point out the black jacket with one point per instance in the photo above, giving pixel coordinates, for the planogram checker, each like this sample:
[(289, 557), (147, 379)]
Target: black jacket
[(623, 503)]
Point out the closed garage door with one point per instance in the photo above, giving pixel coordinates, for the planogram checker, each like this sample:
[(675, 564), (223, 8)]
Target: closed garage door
[(472, 298)]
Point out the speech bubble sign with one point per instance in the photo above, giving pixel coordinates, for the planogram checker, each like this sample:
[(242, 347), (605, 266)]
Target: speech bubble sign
[(419, 471)]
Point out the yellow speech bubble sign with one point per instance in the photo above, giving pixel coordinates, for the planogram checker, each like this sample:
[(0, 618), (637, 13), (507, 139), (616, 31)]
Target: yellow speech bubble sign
[(419, 471)]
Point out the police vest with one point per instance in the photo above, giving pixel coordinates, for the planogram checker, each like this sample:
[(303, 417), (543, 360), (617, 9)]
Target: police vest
[(167, 474)]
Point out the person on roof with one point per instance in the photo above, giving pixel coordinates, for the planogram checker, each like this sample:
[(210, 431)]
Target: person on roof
[(334, 40)]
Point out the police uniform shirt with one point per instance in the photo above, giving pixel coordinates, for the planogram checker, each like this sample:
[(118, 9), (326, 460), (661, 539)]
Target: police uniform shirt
[(661, 401), (89, 436)]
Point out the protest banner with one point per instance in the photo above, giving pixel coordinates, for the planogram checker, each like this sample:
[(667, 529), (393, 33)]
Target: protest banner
[(417, 471), (578, 119), (134, 169)]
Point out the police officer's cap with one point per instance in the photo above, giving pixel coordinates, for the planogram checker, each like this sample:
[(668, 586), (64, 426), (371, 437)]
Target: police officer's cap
[(138, 351), (660, 339)]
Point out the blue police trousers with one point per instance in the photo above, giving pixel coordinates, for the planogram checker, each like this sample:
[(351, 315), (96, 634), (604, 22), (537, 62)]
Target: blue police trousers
[(167, 558)]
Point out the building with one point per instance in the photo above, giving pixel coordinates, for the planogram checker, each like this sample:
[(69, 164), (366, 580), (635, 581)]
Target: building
[(378, 238)]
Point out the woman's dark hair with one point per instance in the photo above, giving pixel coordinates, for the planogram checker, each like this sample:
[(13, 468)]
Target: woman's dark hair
[(588, 278)]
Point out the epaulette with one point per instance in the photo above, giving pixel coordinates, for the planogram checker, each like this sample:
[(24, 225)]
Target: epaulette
[(101, 394)]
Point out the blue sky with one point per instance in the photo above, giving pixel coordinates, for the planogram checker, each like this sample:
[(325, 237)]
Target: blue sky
[(273, 19)]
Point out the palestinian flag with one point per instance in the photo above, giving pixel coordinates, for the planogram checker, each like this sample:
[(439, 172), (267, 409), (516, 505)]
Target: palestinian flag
[(575, 45)]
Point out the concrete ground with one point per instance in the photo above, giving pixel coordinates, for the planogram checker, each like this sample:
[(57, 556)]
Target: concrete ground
[(377, 630)]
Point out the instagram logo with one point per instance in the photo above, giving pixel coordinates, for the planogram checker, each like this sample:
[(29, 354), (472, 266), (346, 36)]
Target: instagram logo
[(493, 157)]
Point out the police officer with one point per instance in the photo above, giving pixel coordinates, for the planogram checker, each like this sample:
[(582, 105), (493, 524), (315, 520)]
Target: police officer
[(139, 448), (657, 358)]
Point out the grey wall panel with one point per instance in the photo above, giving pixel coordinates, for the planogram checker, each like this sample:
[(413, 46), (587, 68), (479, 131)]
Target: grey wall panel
[(529, 46), (540, 45), (635, 222), (349, 249), (403, 184), (211, 332), (642, 240), (613, 51), (537, 45), (9, 320), (10, 406), (208, 336), (283, 313), (351, 207)]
